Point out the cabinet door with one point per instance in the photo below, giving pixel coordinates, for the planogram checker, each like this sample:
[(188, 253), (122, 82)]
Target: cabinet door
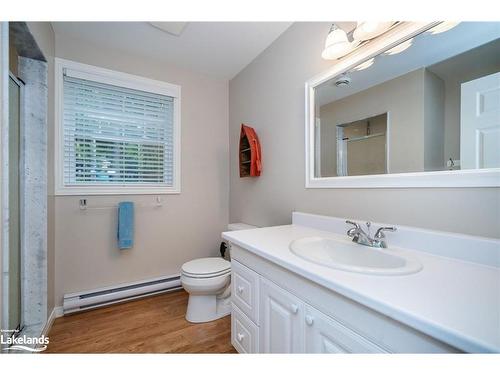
[(326, 335), (281, 320)]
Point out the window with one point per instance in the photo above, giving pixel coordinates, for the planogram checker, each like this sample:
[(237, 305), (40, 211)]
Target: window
[(116, 133)]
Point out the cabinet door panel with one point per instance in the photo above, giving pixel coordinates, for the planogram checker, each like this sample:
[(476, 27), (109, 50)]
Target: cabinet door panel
[(281, 320), (245, 290), (244, 333), (326, 335)]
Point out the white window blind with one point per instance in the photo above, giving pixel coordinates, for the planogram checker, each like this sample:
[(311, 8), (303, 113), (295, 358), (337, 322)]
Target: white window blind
[(116, 136)]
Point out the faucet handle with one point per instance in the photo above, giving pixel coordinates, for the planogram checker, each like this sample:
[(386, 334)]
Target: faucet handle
[(380, 231), (356, 225), (353, 231)]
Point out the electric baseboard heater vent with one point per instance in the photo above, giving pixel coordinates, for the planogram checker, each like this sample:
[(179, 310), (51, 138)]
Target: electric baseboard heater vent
[(92, 299)]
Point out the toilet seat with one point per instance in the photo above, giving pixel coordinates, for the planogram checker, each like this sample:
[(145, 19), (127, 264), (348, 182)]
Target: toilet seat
[(205, 276), (204, 268)]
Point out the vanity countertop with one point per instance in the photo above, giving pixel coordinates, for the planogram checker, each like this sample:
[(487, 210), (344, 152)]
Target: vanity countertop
[(452, 300)]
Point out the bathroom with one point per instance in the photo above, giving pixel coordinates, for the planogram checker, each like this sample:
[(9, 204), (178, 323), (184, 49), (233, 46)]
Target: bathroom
[(250, 187)]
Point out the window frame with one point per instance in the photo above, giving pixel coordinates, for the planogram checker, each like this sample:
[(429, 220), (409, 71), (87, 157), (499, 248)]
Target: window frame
[(120, 79)]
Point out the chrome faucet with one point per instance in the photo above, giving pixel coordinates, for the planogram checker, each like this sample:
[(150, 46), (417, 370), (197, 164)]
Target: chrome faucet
[(361, 237)]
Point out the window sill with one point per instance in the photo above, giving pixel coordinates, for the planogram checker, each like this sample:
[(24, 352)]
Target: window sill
[(116, 190)]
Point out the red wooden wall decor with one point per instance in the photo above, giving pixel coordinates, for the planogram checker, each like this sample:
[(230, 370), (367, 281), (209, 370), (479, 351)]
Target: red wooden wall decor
[(250, 155)]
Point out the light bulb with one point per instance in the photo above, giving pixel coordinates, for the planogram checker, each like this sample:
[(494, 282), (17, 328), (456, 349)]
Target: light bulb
[(399, 48), (336, 44), (366, 30), (364, 65), (442, 27)]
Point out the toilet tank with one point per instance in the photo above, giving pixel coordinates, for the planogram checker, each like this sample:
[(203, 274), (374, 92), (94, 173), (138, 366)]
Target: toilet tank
[(240, 226), (232, 227)]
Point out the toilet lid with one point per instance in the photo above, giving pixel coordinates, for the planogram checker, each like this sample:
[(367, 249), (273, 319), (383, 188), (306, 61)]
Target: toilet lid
[(206, 266)]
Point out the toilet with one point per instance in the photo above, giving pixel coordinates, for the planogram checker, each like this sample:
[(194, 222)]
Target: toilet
[(208, 282)]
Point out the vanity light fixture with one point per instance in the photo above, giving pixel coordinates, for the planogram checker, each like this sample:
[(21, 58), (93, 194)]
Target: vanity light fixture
[(366, 30), (337, 44), (364, 65), (399, 48), (442, 27)]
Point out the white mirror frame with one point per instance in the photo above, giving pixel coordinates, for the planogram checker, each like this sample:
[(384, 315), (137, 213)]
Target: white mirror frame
[(457, 178)]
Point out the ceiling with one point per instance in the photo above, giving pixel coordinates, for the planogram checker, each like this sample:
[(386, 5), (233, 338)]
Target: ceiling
[(219, 49), (480, 59)]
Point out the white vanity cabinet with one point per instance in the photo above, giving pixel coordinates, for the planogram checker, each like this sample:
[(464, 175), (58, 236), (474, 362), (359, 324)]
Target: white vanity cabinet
[(277, 311), (285, 323), (282, 320), (244, 333), (245, 290), (325, 335), (288, 325)]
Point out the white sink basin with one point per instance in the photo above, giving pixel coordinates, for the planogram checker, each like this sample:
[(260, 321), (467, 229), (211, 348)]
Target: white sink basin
[(348, 256)]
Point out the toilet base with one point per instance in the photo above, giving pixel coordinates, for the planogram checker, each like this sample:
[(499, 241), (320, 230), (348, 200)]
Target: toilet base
[(206, 308)]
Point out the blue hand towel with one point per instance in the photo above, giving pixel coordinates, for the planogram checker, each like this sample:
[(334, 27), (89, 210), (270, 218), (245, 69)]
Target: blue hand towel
[(125, 225)]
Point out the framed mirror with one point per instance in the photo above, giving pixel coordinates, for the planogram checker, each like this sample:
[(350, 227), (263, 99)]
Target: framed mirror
[(418, 106)]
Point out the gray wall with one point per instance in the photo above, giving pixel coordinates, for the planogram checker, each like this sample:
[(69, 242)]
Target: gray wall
[(433, 122), (187, 226), (402, 98), (269, 95)]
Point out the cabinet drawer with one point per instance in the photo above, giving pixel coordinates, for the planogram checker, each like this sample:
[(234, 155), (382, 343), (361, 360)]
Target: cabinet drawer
[(244, 333), (326, 335), (245, 290)]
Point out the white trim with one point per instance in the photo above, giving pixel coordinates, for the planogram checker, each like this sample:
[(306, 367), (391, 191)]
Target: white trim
[(50, 321), (58, 311), (388, 142), (456, 178), (112, 77)]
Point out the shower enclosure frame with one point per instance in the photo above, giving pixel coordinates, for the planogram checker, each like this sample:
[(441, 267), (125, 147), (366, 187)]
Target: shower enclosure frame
[(6, 213)]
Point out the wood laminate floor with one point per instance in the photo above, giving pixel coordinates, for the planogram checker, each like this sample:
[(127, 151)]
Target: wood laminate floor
[(151, 325)]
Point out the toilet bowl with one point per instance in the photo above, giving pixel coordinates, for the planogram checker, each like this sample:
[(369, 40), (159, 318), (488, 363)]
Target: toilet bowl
[(208, 282)]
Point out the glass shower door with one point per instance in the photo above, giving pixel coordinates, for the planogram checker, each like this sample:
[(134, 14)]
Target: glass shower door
[(14, 264)]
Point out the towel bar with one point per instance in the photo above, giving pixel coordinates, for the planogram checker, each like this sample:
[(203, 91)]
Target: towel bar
[(84, 206)]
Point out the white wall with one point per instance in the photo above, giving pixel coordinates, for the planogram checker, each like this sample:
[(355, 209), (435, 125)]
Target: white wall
[(187, 226), (269, 95)]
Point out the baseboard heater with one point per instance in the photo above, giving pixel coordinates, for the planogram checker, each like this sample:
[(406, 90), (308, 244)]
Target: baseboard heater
[(92, 299)]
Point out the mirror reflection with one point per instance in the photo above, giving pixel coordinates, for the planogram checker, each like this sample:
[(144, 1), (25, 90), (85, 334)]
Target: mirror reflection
[(431, 103)]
